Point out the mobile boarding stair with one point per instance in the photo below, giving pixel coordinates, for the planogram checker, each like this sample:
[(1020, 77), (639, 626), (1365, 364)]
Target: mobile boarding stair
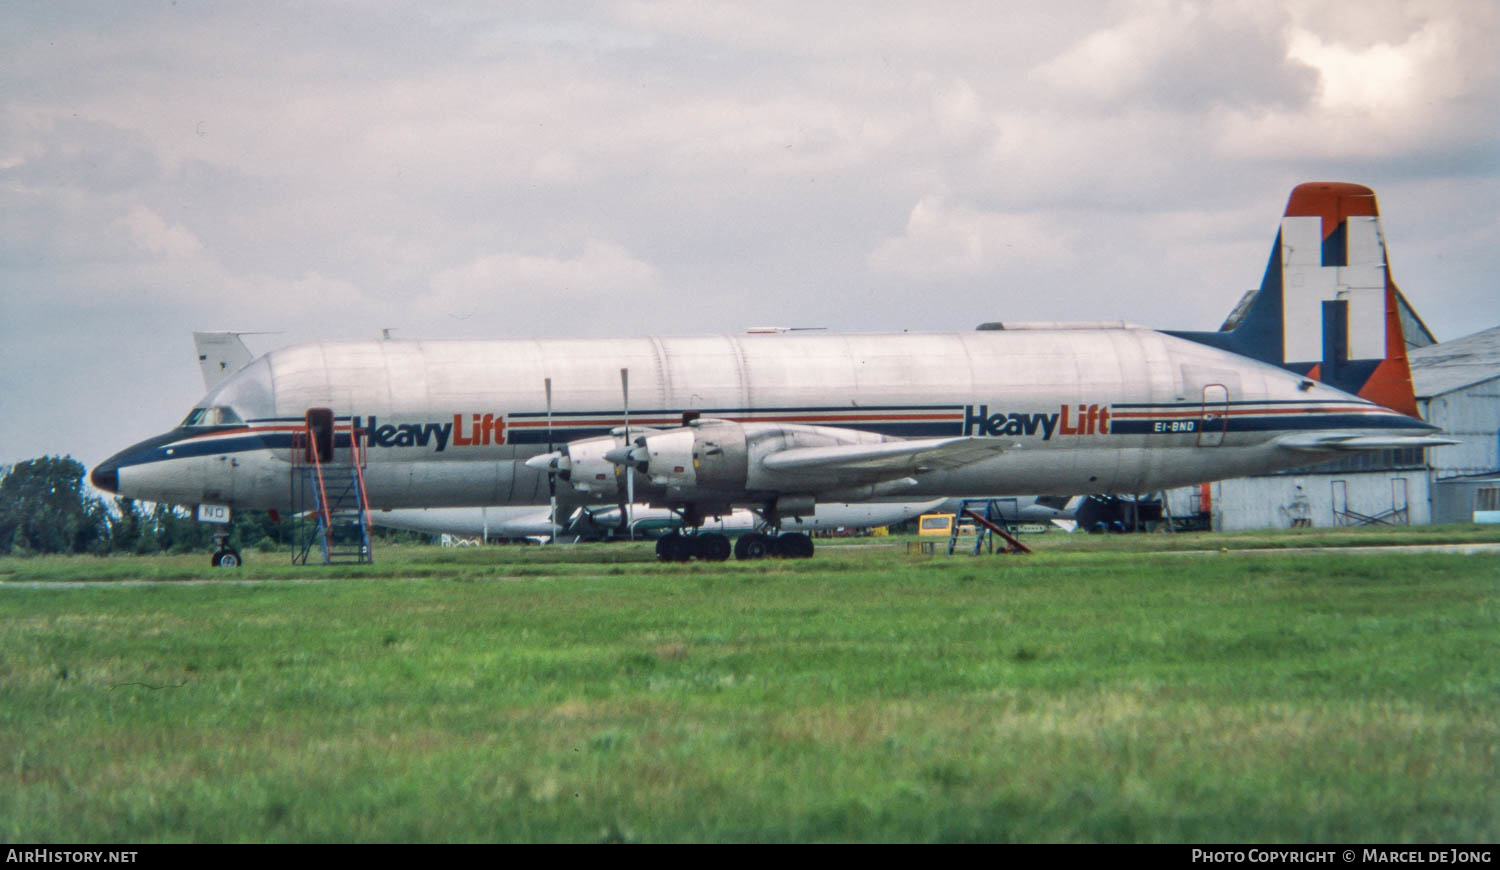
[(990, 524), (327, 486)]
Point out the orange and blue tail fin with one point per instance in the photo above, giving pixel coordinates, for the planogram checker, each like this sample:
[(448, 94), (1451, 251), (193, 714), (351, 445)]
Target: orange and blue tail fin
[(1327, 306)]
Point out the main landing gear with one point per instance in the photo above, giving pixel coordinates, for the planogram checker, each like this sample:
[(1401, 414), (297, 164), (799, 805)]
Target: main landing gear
[(787, 545), (675, 547), (714, 547)]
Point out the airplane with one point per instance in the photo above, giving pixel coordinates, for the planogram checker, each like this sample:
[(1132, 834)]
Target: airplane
[(782, 422), (537, 522), (1022, 509)]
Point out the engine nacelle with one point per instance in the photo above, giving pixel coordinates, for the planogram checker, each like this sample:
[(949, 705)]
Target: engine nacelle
[(709, 466), (588, 472), (669, 459), (717, 461), (700, 463)]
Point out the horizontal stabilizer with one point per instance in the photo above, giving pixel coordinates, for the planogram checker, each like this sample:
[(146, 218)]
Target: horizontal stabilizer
[(1324, 441), (914, 456)]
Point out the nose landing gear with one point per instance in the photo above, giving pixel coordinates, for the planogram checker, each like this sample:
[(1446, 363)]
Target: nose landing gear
[(226, 556)]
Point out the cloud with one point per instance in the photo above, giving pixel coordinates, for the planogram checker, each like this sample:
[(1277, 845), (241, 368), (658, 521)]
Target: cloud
[(1395, 81), (154, 235), (944, 241), (1184, 55), (601, 268)]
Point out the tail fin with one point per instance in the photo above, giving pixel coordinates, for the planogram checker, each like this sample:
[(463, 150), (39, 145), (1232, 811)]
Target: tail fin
[(1327, 306), (220, 354)]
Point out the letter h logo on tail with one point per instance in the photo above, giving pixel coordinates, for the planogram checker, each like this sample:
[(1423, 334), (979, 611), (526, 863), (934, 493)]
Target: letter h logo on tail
[(1327, 306)]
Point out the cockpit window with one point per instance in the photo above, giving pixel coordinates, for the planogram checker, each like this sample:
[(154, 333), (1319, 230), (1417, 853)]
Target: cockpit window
[(218, 416), (249, 392)]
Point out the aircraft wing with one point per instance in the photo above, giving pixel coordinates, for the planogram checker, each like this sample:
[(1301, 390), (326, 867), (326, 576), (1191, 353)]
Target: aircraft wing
[(889, 457), (1318, 442)]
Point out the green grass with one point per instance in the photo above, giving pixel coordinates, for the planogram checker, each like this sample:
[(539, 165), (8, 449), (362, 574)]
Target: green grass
[(1095, 691)]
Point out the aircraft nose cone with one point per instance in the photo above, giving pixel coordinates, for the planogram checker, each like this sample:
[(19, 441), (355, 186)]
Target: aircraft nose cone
[(106, 476)]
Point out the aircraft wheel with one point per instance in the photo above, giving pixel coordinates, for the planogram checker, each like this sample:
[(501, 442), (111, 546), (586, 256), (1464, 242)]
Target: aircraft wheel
[(226, 558), (795, 545), (752, 546), (713, 547), (668, 547), (677, 548)]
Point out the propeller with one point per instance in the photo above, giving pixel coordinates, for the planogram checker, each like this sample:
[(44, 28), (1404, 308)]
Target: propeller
[(566, 461), (627, 497), (551, 475)]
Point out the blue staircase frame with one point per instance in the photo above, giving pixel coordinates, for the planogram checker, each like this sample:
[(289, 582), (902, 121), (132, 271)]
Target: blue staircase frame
[(990, 524), (323, 491)]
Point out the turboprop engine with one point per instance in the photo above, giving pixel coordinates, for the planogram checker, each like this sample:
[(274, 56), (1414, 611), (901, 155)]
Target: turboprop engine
[(581, 465), (720, 463), (708, 466)]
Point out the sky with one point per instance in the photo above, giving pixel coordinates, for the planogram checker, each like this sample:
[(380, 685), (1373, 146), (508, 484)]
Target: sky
[(317, 170)]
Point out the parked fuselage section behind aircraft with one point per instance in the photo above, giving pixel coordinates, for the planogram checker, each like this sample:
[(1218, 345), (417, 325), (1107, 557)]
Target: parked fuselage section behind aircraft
[(605, 522)]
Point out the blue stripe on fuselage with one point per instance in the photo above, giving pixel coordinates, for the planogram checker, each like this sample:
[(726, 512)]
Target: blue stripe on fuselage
[(184, 443), (181, 444)]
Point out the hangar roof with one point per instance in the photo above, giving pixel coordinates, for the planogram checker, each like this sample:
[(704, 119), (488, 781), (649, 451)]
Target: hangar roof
[(1443, 368)]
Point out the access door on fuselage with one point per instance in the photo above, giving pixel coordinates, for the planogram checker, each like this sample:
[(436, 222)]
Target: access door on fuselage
[(1213, 419), (320, 436)]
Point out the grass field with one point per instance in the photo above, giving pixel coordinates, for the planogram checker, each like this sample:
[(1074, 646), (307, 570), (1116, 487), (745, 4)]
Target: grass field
[(1099, 690)]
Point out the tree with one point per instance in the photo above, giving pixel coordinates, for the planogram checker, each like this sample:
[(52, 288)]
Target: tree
[(45, 508)]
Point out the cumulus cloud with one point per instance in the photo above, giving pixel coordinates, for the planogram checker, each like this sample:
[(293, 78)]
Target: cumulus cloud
[(942, 240), (1426, 101), (600, 268), (959, 114), (157, 237), (1379, 78), (1187, 55)]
